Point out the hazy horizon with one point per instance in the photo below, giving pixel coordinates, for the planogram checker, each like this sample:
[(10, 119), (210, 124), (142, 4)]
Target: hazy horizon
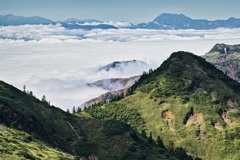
[(130, 11)]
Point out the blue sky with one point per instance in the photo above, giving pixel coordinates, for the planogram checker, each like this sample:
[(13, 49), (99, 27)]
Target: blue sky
[(121, 10)]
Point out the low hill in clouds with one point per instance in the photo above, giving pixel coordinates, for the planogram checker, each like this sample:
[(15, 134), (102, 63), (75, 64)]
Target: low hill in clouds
[(114, 84), (44, 127), (115, 87), (186, 102), (226, 58), (121, 65)]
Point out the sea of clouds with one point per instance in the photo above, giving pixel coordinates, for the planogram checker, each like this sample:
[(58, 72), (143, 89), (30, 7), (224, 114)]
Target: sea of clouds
[(53, 61)]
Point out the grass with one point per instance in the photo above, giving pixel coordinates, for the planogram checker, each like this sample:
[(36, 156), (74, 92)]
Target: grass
[(21, 146)]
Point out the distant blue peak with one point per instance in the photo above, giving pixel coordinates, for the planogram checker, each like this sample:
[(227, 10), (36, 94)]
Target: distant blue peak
[(171, 17)]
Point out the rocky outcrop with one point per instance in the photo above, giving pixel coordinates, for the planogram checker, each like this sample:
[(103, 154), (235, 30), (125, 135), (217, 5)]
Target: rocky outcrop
[(193, 117), (168, 117), (231, 104), (226, 119), (217, 125), (196, 118)]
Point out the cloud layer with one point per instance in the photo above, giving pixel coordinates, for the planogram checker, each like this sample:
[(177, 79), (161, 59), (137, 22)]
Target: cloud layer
[(57, 34), (58, 63)]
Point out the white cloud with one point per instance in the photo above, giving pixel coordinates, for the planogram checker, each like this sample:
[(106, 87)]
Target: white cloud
[(57, 34), (57, 62), (120, 24)]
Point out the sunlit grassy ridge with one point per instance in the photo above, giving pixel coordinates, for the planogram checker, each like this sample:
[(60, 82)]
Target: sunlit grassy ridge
[(20, 146), (188, 103)]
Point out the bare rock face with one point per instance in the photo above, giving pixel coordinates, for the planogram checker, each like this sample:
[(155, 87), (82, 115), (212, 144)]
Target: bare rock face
[(231, 104), (217, 125), (226, 58), (168, 117), (195, 118)]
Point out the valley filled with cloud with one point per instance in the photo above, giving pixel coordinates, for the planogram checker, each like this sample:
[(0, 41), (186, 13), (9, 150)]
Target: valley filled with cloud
[(53, 61)]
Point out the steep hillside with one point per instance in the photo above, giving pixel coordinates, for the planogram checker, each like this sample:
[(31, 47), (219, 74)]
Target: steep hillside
[(81, 136), (20, 145), (187, 103), (226, 58)]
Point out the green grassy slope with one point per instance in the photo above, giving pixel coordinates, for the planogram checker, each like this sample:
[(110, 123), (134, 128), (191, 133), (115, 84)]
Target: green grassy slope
[(188, 103), (20, 145), (48, 123)]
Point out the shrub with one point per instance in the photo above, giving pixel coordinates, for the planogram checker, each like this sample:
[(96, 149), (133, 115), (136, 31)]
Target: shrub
[(113, 127)]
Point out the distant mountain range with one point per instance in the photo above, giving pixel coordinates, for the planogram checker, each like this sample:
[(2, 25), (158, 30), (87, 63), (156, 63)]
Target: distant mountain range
[(180, 21), (165, 21), (10, 19)]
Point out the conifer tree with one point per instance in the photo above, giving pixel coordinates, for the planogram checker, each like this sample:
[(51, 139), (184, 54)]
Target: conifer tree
[(73, 110), (44, 98), (68, 111)]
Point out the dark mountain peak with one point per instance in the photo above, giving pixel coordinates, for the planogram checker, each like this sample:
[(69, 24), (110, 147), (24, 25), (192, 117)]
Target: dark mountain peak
[(189, 66), (183, 57), (185, 73)]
